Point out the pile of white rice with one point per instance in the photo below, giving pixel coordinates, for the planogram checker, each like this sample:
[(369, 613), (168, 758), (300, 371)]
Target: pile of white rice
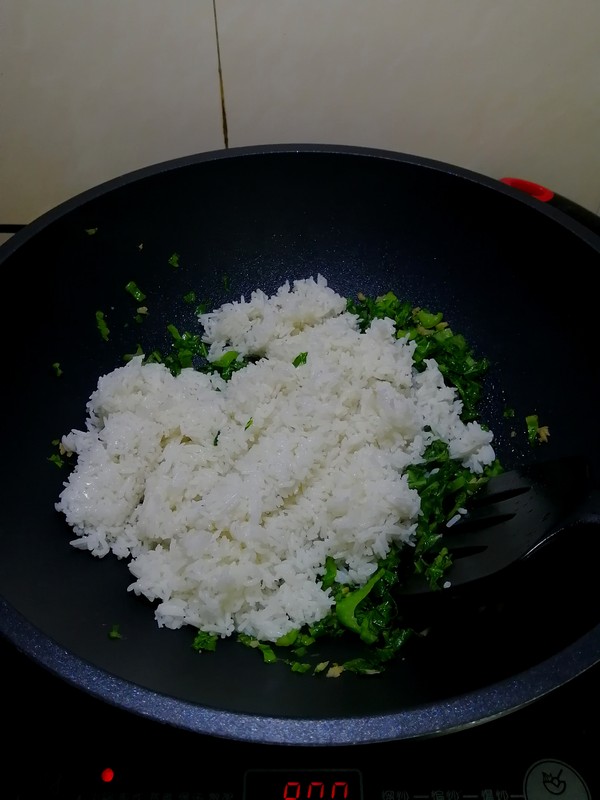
[(226, 497)]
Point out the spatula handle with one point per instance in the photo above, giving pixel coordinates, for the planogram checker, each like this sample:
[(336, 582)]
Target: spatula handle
[(586, 515)]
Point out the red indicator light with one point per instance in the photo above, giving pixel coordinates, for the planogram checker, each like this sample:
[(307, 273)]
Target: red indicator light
[(107, 775)]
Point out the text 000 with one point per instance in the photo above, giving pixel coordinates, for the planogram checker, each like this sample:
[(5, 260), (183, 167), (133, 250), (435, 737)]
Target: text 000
[(303, 784), (315, 790)]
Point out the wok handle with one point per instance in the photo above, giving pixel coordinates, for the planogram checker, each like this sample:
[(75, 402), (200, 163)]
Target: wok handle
[(545, 195)]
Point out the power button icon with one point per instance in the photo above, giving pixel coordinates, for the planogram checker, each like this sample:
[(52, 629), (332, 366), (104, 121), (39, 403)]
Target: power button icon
[(550, 779)]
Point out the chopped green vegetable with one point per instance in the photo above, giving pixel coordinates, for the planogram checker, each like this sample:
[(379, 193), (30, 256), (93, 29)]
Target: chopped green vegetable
[(138, 352), (426, 319), (186, 347), (189, 351), (153, 358), (267, 651), (205, 642), (174, 260), (229, 363), (57, 369), (135, 291), (536, 433), (216, 439), (58, 458), (346, 608), (248, 424), (371, 613), (300, 359), (190, 297), (444, 486), (532, 423), (91, 231), (297, 666), (202, 308), (437, 568), (226, 360), (115, 632), (102, 326), (330, 573), (288, 640), (508, 413)]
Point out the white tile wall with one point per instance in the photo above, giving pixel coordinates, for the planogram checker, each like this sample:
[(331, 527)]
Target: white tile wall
[(508, 87), (91, 89)]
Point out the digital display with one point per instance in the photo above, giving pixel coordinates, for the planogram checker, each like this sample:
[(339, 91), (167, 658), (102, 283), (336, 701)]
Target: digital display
[(303, 784)]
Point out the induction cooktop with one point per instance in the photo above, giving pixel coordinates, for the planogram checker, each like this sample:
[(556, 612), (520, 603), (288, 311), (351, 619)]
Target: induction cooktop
[(64, 744)]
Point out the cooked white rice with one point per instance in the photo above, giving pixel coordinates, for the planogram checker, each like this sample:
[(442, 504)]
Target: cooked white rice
[(226, 497)]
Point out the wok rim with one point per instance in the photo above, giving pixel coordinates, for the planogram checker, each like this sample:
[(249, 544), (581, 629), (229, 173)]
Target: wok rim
[(436, 719), (496, 184)]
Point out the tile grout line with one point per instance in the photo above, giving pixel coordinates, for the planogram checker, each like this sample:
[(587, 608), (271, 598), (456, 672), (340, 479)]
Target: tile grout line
[(221, 89)]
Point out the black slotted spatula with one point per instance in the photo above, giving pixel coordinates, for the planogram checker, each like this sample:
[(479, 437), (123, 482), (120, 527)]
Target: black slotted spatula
[(514, 515)]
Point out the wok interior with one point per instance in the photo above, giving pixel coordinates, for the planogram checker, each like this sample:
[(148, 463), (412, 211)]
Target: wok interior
[(512, 278)]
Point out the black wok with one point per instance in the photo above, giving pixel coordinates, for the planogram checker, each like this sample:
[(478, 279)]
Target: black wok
[(513, 275)]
